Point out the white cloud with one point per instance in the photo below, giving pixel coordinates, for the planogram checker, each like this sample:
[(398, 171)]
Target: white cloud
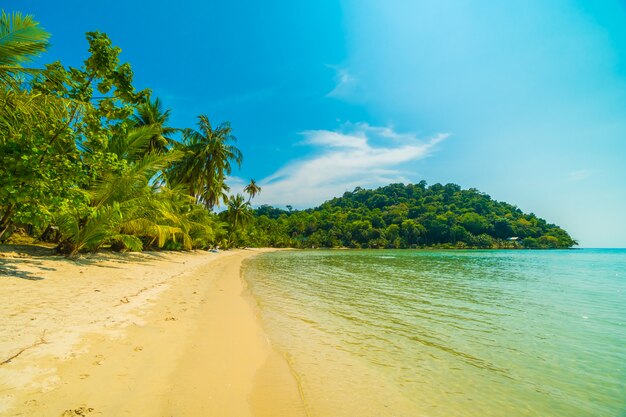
[(236, 184), (579, 175), (345, 83), (335, 139), (346, 159)]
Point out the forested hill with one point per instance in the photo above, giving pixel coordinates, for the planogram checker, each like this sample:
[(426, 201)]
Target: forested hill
[(406, 216)]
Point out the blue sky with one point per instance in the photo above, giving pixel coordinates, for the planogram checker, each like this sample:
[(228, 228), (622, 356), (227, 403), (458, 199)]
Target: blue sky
[(524, 100)]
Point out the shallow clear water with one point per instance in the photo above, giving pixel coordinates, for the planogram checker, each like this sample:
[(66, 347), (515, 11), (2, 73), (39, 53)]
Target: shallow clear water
[(449, 333)]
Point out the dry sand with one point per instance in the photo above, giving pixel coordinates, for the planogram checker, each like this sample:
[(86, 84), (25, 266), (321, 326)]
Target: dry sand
[(153, 334)]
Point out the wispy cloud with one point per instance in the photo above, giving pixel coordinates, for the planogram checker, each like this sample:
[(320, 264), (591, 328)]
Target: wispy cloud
[(358, 155), (579, 175), (345, 83)]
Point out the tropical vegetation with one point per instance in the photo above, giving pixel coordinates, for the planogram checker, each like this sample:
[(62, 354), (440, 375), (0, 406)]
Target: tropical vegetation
[(406, 216), (88, 162)]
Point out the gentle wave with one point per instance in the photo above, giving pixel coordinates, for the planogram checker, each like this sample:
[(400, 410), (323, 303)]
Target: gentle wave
[(442, 333)]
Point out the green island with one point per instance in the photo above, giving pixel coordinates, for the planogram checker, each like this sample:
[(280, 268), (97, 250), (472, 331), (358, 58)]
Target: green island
[(88, 162), (407, 216)]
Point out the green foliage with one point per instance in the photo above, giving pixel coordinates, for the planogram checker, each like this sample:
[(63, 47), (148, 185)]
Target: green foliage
[(207, 156), (238, 216), (21, 39), (252, 189), (84, 157), (151, 114), (407, 216), (36, 173)]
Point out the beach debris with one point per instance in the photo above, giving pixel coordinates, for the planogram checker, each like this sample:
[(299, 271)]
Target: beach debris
[(41, 341), (81, 411), (125, 300)]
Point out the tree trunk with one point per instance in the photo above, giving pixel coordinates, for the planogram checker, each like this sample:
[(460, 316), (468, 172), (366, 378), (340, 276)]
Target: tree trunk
[(5, 222)]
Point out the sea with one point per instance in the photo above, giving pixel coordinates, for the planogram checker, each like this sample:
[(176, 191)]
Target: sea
[(480, 333)]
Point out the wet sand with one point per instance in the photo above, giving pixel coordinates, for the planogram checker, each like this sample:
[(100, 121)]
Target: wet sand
[(154, 334)]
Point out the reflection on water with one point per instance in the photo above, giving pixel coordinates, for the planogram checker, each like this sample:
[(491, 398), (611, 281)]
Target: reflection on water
[(449, 333)]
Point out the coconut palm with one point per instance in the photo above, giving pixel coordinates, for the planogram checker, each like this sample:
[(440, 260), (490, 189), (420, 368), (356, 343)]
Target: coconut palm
[(151, 113), (252, 190), (208, 155), (21, 39), (125, 208), (238, 213)]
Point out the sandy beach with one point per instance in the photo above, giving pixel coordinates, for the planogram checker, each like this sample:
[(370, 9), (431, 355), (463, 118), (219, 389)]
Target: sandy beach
[(149, 334)]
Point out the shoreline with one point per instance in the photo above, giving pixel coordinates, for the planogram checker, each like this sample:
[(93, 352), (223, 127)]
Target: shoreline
[(147, 334)]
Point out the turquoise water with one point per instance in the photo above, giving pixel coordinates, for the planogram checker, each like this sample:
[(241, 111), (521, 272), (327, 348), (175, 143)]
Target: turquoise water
[(449, 333)]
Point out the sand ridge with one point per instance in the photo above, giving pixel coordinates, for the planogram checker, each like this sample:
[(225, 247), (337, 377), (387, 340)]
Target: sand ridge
[(162, 334)]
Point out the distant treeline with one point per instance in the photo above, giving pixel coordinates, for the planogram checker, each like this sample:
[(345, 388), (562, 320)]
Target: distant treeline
[(406, 216)]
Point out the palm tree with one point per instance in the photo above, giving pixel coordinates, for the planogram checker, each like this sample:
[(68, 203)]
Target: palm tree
[(128, 210), (208, 154), (150, 113), (252, 190), (21, 39), (239, 213)]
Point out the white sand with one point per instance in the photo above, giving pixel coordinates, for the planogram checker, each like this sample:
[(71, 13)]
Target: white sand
[(155, 334)]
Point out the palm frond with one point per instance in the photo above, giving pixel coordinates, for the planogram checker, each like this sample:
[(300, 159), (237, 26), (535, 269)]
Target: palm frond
[(134, 144), (129, 242), (21, 39)]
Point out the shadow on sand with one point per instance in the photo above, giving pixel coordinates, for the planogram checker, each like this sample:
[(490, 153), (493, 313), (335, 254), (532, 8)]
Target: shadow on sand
[(24, 261), (32, 261)]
